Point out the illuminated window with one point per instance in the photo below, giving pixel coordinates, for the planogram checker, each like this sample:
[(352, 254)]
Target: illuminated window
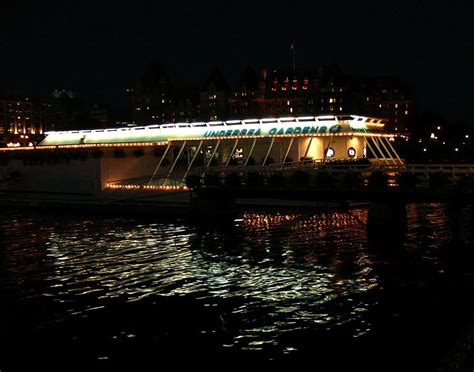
[(330, 152), (294, 85), (287, 103), (364, 151), (351, 152), (340, 108), (406, 112), (238, 154), (291, 110), (305, 84), (396, 105), (332, 100)]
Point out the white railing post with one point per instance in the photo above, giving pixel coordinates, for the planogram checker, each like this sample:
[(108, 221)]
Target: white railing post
[(232, 152), (251, 150), (159, 163), (192, 161), (174, 162)]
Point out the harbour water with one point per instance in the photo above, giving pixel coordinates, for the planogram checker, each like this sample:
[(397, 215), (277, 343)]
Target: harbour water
[(271, 287)]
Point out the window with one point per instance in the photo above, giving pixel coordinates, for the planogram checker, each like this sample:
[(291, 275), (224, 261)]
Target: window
[(238, 154), (330, 152), (351, 152)]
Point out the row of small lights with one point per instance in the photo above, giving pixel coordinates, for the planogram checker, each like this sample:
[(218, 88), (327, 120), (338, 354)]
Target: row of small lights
[(148, 144), (87, 145), (146, 187), (355, 134)]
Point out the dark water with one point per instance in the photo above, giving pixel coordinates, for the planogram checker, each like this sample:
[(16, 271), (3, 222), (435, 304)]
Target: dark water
[(274, 288)]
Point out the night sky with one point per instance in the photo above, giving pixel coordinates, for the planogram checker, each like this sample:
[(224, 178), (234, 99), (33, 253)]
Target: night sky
[(100, 48)]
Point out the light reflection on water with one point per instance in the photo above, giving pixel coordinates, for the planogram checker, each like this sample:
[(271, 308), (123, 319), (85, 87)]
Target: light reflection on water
[(276, 273)]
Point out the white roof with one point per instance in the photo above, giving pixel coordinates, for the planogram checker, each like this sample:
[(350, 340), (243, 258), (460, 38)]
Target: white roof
[(248, 127)]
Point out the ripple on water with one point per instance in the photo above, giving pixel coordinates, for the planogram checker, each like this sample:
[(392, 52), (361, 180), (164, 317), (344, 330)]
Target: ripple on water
[(270, 275)]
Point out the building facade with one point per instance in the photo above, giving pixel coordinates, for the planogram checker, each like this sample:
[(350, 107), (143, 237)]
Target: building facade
[(387, 98), (326, 90), (22, 113)]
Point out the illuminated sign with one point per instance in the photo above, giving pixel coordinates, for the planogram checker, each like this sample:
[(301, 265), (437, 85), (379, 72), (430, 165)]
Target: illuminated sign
[(274, 131)]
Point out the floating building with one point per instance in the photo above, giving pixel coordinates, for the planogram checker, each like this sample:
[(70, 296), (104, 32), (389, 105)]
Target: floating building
[(162, 156)]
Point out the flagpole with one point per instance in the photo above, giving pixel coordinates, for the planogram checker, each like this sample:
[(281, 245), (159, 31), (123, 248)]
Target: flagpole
[(294, 58)]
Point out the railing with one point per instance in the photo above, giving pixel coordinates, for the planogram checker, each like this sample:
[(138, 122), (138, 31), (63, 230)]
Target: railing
[(425, 174)]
